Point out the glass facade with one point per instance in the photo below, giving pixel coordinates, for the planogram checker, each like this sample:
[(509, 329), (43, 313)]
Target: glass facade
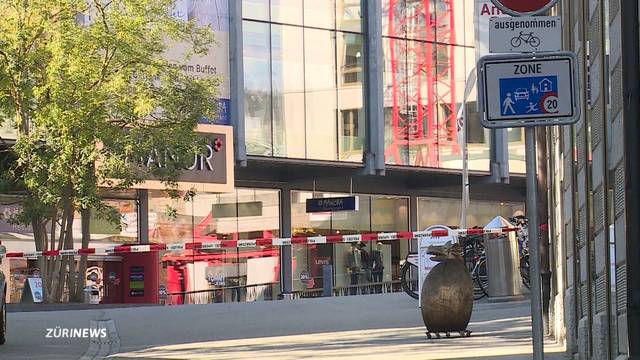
[(233, 274), (358, 268), (427, 56), (440, 211), (304, 79)]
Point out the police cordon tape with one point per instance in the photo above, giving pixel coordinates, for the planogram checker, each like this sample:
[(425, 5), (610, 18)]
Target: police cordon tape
[(228, 244)]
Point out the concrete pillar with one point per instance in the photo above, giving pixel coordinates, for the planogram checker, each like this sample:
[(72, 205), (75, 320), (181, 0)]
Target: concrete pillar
[(583, 339), (600, 336), (374, 161), (236, 82), (286, 270), (570, 321)]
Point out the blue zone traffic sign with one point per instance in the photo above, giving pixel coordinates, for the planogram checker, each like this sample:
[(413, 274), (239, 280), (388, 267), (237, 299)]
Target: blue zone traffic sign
[(529, 95), (517, 90)]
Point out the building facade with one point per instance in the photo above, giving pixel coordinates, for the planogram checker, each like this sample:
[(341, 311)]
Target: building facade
[(587, 190), (336, 94), (325, 98)]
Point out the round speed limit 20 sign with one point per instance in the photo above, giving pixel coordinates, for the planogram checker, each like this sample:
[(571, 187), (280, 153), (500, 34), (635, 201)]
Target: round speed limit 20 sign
[(524, 7)]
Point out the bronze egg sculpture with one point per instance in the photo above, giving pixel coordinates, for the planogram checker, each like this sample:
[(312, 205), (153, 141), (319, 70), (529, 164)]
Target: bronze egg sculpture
[(447, 292)]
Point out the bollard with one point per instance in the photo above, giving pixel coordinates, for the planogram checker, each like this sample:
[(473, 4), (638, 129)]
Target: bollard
[(327, 280)]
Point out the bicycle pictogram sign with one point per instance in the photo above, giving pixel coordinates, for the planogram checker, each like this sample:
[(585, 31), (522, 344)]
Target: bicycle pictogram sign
[(526, 38)]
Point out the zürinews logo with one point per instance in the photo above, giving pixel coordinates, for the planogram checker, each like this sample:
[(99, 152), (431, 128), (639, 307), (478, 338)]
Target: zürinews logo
[(75, 333)]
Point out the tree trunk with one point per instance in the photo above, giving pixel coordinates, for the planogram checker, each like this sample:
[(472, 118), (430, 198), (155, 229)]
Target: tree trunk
[(71, 263), (85, 215), (40, 240), (63, 266)]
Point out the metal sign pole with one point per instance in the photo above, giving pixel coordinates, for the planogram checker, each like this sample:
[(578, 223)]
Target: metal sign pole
[(534, 250)]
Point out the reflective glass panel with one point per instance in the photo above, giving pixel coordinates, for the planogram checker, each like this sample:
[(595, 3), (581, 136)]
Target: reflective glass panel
[(517, 162), (199, 276), (320, 13), (438, 211), (255, 9), (358, 268), (420, 20), (419, 125), (349, 15), (286, 11), (308, 260), (395, 101), (389, 214), (351, 118), (170, 219), (393, 18), (258, 213), (320, 95), (478, 138), (288, 91), (257, 86)]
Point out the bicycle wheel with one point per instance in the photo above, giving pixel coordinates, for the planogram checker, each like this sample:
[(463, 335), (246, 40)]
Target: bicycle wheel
[(524, 271), (516, 42), (534, 41), (481, 280), (409, 285)]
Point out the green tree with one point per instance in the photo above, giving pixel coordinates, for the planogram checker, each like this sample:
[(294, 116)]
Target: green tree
[(91, 95)]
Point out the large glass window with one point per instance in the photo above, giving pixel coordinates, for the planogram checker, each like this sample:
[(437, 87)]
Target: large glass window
[(396, 112), (217, 275), (349, 15), (351, 119), (257, 87), (320, 94), (288, 91), (304, 79), (438, 211), (358, 268), (320, 14), (103, 230), (428, 55), (255, 9), (286, 11)]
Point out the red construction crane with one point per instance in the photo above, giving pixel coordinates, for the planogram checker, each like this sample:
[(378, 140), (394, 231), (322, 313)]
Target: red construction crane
[(423, 85)]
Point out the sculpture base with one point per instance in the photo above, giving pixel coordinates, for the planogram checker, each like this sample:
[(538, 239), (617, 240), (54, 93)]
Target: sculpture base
[(452, 334)]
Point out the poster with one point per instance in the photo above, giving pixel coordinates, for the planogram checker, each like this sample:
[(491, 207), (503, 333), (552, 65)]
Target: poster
[(215, 14), (35, 285)]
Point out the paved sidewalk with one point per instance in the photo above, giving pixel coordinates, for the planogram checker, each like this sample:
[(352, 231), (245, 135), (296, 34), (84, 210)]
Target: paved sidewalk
[(501, 332), (373, 326)]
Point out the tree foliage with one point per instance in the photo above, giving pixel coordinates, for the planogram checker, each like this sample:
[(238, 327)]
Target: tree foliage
[(91, 95)]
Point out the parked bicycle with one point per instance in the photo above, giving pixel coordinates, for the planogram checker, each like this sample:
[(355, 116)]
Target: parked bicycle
[(476, 260), (527, 38), (477, 268), (407, 271)]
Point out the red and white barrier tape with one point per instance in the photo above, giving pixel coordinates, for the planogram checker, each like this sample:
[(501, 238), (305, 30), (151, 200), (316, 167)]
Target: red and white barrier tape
[(296, 240)]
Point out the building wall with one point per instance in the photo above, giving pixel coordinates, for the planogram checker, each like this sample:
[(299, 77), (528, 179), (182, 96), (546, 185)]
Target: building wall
[(588, 211)]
